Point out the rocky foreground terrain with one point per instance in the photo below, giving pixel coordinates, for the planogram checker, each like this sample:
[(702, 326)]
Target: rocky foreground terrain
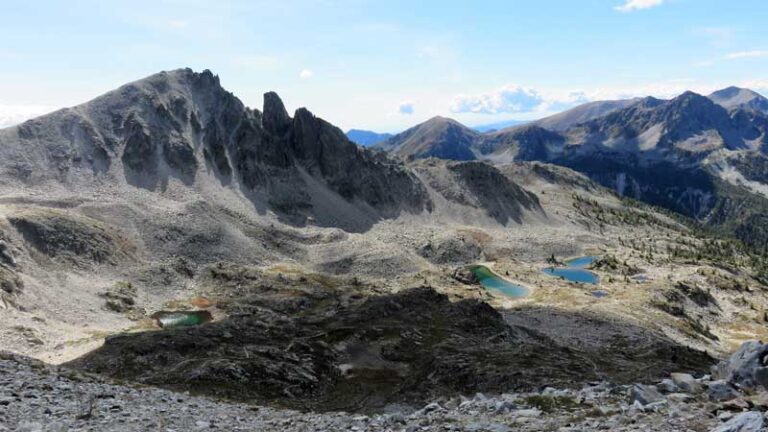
[(37, 397)]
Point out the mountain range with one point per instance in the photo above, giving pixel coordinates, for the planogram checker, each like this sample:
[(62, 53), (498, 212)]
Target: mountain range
[(698, 155)]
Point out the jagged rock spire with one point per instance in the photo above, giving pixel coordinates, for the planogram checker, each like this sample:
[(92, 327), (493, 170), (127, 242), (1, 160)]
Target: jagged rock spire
[(275, 119)]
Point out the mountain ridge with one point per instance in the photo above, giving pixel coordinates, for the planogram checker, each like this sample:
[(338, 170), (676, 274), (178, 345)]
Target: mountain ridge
[(621, 144), (366, 138)]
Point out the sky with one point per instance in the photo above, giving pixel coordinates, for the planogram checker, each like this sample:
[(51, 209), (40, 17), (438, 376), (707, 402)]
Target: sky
[(385, 65)]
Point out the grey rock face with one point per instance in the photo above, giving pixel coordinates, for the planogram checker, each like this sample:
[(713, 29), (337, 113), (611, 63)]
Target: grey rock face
[(751, 421), (746, 368), (667, 386), (275, 118), (645, 394), (720, 391), (172, 125)]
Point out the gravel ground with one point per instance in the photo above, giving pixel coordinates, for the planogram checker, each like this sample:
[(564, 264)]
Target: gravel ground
[(37, 397)]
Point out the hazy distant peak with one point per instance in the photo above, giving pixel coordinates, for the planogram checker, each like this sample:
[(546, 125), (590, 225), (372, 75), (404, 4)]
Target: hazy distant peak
[(739, 98)]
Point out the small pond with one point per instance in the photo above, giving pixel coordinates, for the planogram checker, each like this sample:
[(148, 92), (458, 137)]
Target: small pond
[(575, 271), (491, 281)]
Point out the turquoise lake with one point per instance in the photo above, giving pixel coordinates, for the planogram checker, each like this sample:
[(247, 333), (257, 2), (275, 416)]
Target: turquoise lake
[(491, 281)]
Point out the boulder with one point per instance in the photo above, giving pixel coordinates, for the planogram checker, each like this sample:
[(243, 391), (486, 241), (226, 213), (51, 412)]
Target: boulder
[(746, 368), (645, 394), (720, 391), (686, 383), (667, 386), (751, 421)]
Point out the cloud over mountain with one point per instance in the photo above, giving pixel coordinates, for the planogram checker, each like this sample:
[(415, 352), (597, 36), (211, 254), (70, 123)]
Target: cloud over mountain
[(508, 99), (15, 114), (516, 99)]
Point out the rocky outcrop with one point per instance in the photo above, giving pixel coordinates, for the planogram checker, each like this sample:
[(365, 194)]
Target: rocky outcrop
[(747, 368), (70, 238), (275, 118)]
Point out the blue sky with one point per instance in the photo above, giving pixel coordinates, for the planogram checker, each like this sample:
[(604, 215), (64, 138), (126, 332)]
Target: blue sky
[(386, 65)]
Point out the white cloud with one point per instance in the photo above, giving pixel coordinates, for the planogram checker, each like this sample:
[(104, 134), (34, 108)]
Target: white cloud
[(632, 5), (516, 99), (746, 54), (14, 114), (406, 108), (306, 74), (508, 99)]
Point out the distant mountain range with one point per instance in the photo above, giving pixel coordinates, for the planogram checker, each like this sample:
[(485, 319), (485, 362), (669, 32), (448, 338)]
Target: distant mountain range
[(366, 138), (693, 154)]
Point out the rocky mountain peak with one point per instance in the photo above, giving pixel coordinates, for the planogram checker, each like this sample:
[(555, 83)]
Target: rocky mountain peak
[(689, 98), (729, 92), (437, 137), (275, 118)]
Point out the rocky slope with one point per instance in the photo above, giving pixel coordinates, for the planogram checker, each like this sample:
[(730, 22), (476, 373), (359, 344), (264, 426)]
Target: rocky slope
[(36, 397)]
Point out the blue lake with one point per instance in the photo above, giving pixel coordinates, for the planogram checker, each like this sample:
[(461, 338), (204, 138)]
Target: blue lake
[(575, 272), (491, 281)]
